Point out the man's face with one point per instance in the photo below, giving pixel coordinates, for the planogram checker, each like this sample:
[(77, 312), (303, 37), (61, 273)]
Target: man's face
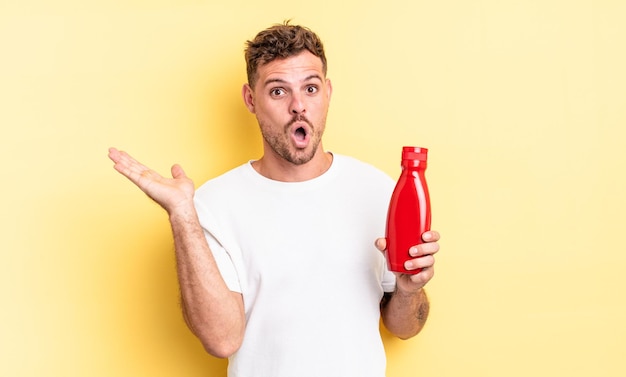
[(290, 100)]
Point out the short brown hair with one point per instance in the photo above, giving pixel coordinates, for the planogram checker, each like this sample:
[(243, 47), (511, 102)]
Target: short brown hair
[(280, 42)]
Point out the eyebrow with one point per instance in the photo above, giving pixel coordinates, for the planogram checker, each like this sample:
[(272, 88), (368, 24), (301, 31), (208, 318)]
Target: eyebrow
[(281, 81)]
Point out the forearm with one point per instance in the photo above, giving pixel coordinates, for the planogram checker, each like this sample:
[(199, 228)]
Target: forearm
[(404, 313), (212, 312)]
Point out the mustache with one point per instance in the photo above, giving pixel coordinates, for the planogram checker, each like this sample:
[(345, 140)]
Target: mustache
[(299, 118)]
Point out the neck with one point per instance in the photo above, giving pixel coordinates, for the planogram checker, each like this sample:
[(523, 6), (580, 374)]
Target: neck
[(278, 169)]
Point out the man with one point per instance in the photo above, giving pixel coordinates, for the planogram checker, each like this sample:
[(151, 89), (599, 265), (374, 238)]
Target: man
[(275, 258)]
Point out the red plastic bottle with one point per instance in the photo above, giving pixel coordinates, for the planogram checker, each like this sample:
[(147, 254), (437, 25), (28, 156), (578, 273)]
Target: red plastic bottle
[(409, 210)]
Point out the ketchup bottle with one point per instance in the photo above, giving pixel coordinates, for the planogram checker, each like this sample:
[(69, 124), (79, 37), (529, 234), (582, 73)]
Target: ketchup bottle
[(409, 210)]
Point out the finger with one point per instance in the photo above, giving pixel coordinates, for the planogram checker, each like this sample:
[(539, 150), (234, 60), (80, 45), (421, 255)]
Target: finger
[(430, 236), (423, 262), (178, 172), (381, 244), (120, 158), (424, 249), (114, 155), (112, 152), (423, 277), (131, 168)]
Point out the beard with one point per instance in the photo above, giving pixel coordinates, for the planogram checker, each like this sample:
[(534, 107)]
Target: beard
[(280, 142)]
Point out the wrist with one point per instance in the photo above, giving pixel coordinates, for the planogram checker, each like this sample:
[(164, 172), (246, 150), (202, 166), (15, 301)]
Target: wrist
[(408, 293), (182, 211)]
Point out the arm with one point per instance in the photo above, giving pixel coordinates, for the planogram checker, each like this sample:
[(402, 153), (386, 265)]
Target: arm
[(404, 312), (213, 312)]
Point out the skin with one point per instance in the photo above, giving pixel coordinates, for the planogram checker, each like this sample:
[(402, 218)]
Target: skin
[(290, 99), (213, 312), (404, 312), (291, 94)]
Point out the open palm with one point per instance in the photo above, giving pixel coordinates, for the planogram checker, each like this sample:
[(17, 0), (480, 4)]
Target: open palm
[(169, 193)]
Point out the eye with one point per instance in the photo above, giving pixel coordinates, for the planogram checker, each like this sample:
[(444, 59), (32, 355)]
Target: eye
[(277, 92), (312, 89)]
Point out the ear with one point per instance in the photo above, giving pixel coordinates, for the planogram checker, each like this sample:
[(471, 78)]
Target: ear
[(248, 97), (329, 86)]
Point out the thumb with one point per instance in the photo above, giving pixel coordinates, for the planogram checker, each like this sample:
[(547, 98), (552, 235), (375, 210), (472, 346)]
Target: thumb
[(381, 244), (178, 172)]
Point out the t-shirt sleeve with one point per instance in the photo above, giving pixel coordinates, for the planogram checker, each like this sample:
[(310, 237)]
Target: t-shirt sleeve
[(388, 280), (224, 263), (223, 259)]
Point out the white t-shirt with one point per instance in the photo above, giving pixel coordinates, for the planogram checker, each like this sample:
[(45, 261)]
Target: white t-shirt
[(303, 256)]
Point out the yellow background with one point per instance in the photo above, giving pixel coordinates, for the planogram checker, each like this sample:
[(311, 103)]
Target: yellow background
[(522, 104)]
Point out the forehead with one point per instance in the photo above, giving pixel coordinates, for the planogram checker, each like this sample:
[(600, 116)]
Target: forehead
[(292, 69)]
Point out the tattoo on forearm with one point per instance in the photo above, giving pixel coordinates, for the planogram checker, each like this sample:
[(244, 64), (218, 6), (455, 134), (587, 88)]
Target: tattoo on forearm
[(385, 300), (422, 311)]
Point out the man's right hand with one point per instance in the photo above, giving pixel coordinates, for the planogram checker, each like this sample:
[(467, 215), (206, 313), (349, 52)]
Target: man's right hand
[(170, 193)]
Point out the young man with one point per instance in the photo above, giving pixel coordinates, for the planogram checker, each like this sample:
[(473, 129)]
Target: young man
[(277, 259)]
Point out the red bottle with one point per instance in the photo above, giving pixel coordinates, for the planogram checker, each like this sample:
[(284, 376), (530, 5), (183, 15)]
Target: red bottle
[(409, 210)]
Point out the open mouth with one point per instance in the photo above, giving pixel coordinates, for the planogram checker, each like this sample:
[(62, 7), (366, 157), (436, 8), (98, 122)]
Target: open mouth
[(300, 134)]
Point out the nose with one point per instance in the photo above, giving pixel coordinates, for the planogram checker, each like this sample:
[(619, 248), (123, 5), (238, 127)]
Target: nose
[(297, 105)]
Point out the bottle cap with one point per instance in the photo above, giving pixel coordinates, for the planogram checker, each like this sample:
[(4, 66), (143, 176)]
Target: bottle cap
[(414, 153)]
